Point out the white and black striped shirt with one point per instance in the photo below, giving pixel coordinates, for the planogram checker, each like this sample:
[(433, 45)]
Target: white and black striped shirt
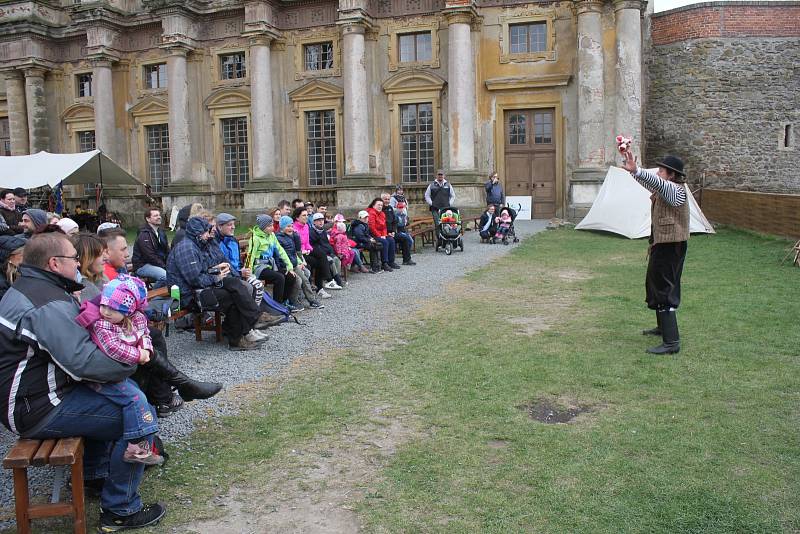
[(672, 193)]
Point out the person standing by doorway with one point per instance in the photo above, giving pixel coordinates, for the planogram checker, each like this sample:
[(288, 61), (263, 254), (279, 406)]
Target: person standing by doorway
[(494, 192), (669, 233)]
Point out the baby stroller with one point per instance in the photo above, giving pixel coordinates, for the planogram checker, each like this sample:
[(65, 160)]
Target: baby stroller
[(511, 234), (450, 233)]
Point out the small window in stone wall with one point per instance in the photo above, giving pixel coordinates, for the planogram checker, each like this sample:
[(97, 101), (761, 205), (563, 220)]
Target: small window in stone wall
[(787, 141)]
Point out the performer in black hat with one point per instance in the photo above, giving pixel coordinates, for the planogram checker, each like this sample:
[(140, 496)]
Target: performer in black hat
[(669, 233)]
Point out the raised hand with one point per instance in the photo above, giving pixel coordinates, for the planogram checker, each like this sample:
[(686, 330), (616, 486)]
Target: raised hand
[(629, 161)]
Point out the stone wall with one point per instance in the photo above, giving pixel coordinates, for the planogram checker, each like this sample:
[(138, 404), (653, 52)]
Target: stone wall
[(726, 96)]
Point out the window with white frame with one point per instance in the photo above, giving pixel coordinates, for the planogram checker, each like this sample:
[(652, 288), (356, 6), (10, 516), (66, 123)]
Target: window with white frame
[(415, 47), (318, 56), (416, 142), (158, 156), (527, 38), (236, 170), (155, 76), (84, 84), (321, 147), (232, 66), (86, 143)]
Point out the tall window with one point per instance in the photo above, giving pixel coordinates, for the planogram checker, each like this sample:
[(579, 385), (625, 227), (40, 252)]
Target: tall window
[(318, 56), (528, 38), (234, 156), (415, 47), (416, 142), (86, 144), (321, 143), (543, 128), (158, 156), (5, 137), (233, 66), (84, 83), (155, 76)]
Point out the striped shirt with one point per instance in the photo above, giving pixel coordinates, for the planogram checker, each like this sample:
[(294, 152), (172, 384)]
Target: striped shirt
[(672, 193)]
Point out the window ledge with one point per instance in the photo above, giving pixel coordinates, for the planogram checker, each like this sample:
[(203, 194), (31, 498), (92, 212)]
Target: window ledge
[(527, 82)]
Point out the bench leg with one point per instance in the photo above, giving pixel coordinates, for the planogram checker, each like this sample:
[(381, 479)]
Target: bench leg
[(218, 326), (198, 326), (78, 507), (21, 500)]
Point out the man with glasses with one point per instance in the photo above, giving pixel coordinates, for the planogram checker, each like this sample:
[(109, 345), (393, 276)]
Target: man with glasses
[(46, 362), (438, 195)]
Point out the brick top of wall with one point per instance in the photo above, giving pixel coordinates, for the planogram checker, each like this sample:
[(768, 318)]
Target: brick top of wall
[(727, 19)]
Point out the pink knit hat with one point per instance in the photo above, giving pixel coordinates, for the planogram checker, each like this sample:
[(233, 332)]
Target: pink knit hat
[(125, 294)]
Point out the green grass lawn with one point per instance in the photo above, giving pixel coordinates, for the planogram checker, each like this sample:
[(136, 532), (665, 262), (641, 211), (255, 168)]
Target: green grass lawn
[(704, 441)]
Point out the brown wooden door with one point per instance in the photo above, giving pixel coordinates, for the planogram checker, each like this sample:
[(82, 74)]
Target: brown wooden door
[(530, 154)]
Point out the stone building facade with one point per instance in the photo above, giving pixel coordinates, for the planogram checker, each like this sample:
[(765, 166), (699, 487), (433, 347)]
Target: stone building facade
[(238, 104), (725, 94)]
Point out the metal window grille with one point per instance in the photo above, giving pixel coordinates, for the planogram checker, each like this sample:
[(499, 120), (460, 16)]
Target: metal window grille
[(233, 66), (84, 84), (528, 38), (416, 142), (236, 168), (415, 47), (318, 56), (158, 156), (155, 76), (86, 143), (321, 147), (543, 128)]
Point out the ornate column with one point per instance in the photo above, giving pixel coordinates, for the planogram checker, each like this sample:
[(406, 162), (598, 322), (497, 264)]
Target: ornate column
[(180, 146), (38, 132), (591, 101), (628, 119), (104, 119), (17, 112), (262, 116), (461, 90), (356, 105)]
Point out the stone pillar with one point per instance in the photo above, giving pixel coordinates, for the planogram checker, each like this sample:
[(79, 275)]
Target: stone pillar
[(461, 92), (591, 133), (264, 165), (180, 146), (17, 112), (38, 132), (104, 119), (628, 119), (356, 104)]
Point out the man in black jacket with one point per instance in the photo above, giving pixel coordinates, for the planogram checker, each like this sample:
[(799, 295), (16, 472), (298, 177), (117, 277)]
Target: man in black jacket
[(403, 239), (439, 195), (47, 365), (151, 249)]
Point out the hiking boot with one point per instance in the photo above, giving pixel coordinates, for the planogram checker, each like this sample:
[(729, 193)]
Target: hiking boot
[(670, 336), (316, 305), (409, 262), (394, 266), (256, 337), (150, 514), (242, 345), (387, 268), (140, 453), (165, 410), (323, 294)]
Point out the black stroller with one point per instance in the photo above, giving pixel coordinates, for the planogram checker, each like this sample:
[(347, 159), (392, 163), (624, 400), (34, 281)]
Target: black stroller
[(449, 232), (510, 233)]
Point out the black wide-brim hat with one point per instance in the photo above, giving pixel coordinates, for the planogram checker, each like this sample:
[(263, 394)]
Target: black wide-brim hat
[(672, 163)]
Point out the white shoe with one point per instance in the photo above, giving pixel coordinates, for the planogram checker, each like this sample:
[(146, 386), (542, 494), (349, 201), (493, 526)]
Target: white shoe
[(323, 294), (332, 285), (254, 336)]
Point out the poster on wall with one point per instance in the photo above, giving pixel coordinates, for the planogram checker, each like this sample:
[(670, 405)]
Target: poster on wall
[(523, 206)]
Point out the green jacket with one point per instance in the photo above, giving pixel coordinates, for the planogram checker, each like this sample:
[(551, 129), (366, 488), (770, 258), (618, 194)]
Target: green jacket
[(263, 246)]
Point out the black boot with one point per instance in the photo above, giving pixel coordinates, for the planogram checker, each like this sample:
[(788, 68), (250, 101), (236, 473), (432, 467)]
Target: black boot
[(654, 331), (670, 336), (188, 389)]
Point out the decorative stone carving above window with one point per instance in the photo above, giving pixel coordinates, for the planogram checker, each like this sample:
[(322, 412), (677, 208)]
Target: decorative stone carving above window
[(301, 39), (398, 28), (524, 21)]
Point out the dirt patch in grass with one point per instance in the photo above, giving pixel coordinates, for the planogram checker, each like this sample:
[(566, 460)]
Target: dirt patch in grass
[(531, 325), (546, 411), (573, 274), (315, 488)]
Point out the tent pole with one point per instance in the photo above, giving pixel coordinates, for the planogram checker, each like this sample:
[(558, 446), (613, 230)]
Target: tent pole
[(100, 168)]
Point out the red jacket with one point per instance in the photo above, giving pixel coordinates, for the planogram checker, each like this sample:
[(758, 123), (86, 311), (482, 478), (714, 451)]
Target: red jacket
[(377, 223)]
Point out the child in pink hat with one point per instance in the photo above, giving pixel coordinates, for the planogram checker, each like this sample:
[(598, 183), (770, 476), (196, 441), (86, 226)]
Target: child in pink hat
[(118, 326)]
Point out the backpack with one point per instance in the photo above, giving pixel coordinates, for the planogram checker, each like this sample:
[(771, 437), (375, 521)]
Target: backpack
[(273, 307)]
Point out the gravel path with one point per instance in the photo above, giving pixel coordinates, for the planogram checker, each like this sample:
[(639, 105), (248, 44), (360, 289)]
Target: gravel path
[(354, 310)]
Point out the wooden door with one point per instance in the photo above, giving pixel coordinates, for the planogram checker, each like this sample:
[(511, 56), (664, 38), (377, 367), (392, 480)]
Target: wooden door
[(530, 158)]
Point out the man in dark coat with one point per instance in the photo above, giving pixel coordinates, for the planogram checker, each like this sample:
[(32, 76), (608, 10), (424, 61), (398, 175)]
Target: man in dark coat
[(151, 249)]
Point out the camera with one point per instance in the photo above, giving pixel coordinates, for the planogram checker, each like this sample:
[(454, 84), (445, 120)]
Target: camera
[(214, 270)]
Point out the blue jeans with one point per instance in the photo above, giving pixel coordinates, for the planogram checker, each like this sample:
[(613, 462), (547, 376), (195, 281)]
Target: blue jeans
[(86, 413), (357, 257), (388, 248), (138, 417), (156, 273)]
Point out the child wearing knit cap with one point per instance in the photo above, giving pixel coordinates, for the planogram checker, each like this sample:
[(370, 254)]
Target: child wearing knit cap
[(118, 327)]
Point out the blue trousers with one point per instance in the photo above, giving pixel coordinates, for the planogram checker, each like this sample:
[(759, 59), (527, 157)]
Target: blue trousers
[(138, 417), (84, 412), (159, 274), (387, 248)]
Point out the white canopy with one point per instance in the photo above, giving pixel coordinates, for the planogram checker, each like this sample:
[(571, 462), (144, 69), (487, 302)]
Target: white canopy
[(623, 207), (44, 168)]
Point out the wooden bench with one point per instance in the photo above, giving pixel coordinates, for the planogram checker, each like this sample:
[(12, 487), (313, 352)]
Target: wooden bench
[(56, 452), (199, 324), (424, 229)]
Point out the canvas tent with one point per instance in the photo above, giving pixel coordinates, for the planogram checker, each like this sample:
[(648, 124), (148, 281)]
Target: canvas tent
[(623, 207), (44, 168)]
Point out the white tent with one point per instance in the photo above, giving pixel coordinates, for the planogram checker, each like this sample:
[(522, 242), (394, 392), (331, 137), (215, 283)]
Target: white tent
[(623, 207), (44, 168)]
